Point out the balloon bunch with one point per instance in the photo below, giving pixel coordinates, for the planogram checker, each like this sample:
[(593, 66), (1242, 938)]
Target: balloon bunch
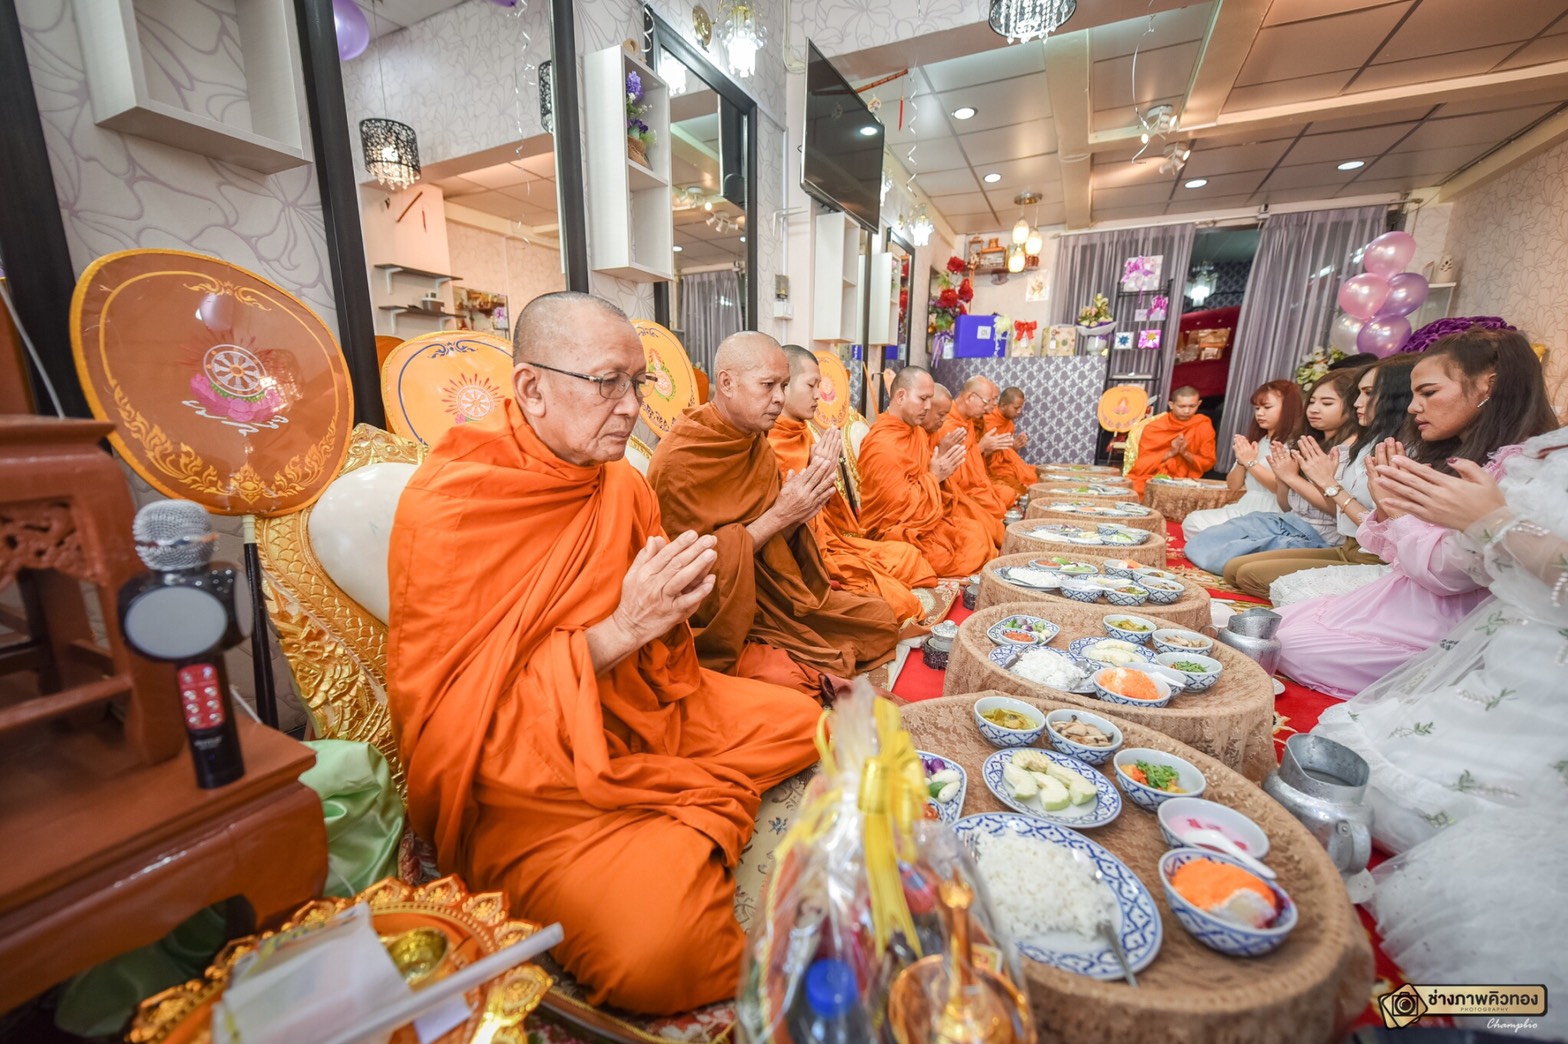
[(352, 29), (1378, 302)]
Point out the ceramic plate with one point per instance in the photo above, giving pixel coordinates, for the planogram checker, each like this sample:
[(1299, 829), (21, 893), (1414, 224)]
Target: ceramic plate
[(1007, 574), (1279, 687), (1022, 630), (1107, 799), (1137, 920), (1078, 646), (948, 811), (1005, 656)]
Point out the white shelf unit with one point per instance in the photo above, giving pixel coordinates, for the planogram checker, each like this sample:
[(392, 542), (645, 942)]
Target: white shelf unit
[(884, 298), (836, 299), (631, 215)]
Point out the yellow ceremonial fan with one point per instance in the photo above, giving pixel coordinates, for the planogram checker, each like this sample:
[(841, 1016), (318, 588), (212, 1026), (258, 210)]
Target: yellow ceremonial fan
[(674, 389), (1122, 406), (432, 383), (833, 393)]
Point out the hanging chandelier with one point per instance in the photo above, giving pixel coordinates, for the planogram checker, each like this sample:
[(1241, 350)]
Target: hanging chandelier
[(1021, 20), (741, 35), (391, 152), (1026, 238), (921, 227), (1202, 284)]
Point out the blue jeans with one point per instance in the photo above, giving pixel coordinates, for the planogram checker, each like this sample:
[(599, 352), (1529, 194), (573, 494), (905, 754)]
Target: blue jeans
[(1249, 534)]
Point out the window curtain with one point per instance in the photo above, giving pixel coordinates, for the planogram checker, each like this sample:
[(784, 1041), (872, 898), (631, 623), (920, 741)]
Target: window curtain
[(710, 310), (1092, 263), (1290, 302)]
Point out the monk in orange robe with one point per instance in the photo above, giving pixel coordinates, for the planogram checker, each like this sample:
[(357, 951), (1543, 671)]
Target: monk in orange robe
[(943, 436), (967, 414), (885, 568), (562, 743), (1179, 443), (901, 494), (773, 611), (1004, 463)]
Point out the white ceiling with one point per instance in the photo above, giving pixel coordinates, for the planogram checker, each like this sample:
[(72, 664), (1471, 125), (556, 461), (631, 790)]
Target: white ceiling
[(387, 16), (518, 190)]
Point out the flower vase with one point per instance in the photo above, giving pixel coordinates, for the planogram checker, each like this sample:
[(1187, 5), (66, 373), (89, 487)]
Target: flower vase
[(636, 150)]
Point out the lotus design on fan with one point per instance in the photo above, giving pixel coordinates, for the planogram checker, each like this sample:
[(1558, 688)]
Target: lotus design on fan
[(234, 387)]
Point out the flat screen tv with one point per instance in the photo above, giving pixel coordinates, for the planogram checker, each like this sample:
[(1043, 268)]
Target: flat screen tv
[(842, 161)]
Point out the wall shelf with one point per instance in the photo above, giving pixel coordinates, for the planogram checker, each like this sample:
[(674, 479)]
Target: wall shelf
[(836, 274), (397, 311), (631, 214), (435, 279)]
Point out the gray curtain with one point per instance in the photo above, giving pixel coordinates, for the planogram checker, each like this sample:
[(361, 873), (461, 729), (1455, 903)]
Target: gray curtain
[(710, 310), (1092, 263), (1291, 300)]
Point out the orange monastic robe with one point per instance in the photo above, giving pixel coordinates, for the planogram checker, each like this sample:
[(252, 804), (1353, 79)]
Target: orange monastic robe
[(714, 478), (1007, 466), (885, 568), (901, 500), (616, 803), (986, 500), (1156, 441)]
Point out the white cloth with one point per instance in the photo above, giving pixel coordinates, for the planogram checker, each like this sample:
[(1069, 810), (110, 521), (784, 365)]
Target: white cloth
[(1326, 580), (1353, 480), (1257, 497)]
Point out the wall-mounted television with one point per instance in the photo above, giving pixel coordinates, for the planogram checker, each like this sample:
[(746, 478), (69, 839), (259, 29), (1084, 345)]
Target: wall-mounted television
[(842, 159)]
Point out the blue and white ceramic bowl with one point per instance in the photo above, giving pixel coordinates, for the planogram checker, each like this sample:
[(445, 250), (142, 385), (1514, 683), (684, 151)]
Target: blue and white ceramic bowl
[(1129, 594), (1225, 936), (1020, 629), (1081, 590), (1196, 681), (1137, 634), (1163, 641), (1181, 814), (1117, 569), (1188, 778), (1161, 592), (1093, 755), (1167, 690), (998, 736), (1081, 648)]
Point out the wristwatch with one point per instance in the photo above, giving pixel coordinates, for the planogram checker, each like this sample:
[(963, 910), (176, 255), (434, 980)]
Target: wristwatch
[(1331, 491), (1249, 464)]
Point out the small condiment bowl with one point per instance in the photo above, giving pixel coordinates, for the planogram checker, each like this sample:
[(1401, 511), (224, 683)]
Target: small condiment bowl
[(1224, 936), (418, 954), (1162, 592), (1081, 751), (1167, 690), (1129, 594), (1000, 736), (1081, 590), (1146, 797), (1196, 681), (1180, 813), (1121, 569), (1127, 634), (1162, 642)]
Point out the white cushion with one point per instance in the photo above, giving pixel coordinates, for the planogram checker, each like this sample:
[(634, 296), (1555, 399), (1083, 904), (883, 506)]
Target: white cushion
[(858, 430), (638, 458), (351, 529)]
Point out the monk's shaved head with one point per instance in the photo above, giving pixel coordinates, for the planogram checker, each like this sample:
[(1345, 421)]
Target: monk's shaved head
[(800, 360), (546, 329), (805, 381), (750, 371), (744, 351), (907, 378), (909, 395), (941, 403), (978, 395), (1011, 395), (1011, 404)]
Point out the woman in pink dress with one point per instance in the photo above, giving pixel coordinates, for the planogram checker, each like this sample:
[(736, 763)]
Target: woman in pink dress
[(1477, 395)]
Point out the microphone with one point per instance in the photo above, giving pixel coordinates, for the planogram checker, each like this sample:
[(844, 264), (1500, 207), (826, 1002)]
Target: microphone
[(183, 611)]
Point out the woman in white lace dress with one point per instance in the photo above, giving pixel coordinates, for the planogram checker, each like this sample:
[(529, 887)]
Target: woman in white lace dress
[(1277, 419), (1468, 743)]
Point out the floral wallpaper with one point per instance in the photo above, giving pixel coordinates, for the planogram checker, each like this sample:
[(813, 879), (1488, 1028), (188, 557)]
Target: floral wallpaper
[(845, 26), (193, 58)]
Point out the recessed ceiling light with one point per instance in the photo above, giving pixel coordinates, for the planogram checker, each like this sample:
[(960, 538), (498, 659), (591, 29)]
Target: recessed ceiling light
[(743, 239), (868, 130), (964, 112), (1352, 164), (1197, 182), (992, 178), (678, 248)]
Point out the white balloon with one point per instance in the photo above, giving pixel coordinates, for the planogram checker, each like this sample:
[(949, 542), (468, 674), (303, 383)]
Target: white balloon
[(1342, 334)]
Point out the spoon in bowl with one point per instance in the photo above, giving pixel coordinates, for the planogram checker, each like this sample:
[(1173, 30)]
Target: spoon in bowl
[(1205, 837)]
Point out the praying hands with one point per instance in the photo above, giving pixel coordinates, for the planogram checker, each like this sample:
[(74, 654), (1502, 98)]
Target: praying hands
[(664, 585), (1321, 468), (992, 441), (1457, 501), (948, 455), (1383, 456)]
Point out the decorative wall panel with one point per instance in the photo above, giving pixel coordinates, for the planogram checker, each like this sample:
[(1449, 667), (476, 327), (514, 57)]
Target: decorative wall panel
[(1060, 396)]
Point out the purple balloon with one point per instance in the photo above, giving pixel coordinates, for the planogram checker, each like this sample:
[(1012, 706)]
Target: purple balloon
[(1384, 335), (1406, 293), (1362, 295), (352, 28), (504, 3), (1389, 253)]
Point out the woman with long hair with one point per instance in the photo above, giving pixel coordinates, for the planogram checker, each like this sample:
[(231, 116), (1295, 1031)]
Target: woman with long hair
[(1300, 516), (1276, 419), (1382, 399), (1476, 396)]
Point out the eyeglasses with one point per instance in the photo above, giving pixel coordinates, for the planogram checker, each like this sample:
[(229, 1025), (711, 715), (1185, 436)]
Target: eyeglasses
[(611, 385), (988, 403)]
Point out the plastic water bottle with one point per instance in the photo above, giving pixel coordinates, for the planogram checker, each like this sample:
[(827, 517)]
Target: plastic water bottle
[(828, 1010)]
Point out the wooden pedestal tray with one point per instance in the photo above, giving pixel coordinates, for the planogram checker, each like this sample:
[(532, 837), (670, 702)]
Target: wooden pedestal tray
[(1191, 610), (1310, 989), (1176, 500), (1151, 552), (1049, 510), (1232, 722)]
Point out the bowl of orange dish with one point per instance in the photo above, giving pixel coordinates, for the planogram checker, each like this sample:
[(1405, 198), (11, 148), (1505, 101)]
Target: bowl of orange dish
[(1133, 688), (1223, 905)]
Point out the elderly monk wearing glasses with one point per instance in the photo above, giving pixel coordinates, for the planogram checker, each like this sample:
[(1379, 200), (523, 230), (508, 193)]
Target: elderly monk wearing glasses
[(967, 415), (563, 744), (773, 613)]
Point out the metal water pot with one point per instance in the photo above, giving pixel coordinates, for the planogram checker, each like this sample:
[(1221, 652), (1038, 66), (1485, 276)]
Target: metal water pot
[(1323, 784), (1252, 634)]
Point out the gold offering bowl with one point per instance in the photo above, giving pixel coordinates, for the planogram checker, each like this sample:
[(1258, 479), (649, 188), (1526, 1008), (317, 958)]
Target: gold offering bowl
[(994, 1013), (419, 954)]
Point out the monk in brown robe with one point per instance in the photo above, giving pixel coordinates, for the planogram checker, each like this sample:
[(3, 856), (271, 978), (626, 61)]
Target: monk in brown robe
[(888, 569), (901, 475), (944, 435), (773, 612), (967, 414), (1179, 443), (562, 743), (1004, 463)]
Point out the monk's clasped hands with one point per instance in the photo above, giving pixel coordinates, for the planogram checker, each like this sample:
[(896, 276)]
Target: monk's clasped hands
[(665, 584)]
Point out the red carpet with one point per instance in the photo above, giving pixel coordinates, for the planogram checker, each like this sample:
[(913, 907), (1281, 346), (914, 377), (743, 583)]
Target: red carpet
[(1295, 710)]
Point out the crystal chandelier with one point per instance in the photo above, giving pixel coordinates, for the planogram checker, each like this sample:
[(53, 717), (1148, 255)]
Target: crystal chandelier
[(391, 152), (741, 35), (1021, 20), (921, 227), (1202, 285)]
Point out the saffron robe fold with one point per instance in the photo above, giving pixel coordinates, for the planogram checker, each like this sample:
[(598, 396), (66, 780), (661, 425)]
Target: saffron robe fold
[(973, 493), (712, 477), (1008, 466), (901, 500), (885, 568), (1155, 442), (614, 803)]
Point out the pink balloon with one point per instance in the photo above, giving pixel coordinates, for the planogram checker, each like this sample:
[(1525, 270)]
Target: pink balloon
[(352, 29), (1384, 335), (1406, 293), (1389, 253), (1362, 295)]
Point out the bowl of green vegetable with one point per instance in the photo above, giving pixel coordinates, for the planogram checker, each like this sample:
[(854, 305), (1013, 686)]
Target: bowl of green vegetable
[(1150, 778), (1200, 672)]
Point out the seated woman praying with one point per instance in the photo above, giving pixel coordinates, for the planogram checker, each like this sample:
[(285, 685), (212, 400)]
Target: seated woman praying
[(1302, 517), (1477, 395), (1276, 420)]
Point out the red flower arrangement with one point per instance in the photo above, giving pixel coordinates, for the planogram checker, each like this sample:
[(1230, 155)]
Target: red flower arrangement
[(952, 298)]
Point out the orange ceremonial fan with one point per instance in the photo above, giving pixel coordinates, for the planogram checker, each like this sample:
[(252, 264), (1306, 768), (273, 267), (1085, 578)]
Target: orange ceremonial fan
[(1122, 406), (432, 383), (833, 393), (223, 388), (674, 388)]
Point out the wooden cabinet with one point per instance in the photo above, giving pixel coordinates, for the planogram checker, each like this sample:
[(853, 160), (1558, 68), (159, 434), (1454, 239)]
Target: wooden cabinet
[(631, 217), (836, 291)]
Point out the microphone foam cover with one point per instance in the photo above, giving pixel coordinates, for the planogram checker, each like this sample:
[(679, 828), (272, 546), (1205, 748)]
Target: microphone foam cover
[(173, 535)]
